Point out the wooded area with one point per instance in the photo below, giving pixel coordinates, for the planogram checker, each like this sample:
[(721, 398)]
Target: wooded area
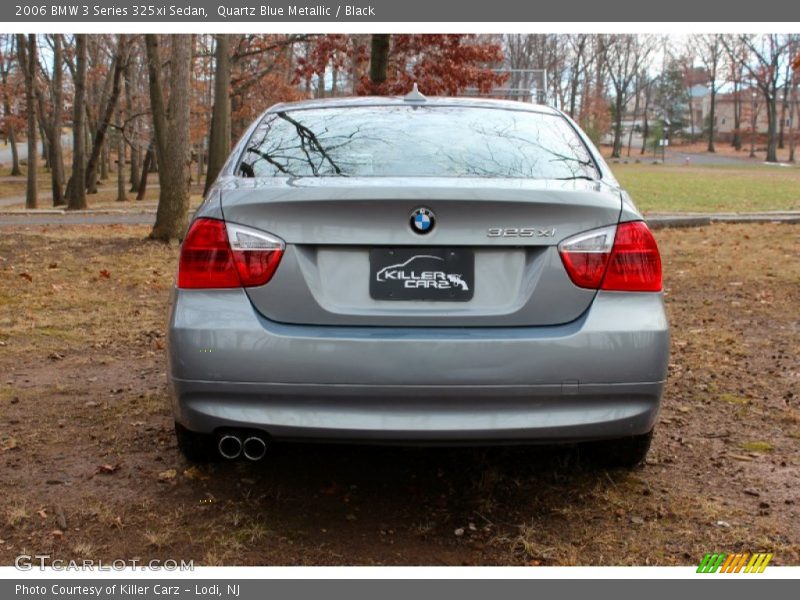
[(136, 105)]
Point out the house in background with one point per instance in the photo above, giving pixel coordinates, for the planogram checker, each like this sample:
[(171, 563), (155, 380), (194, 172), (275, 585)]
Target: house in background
[(751, 104)]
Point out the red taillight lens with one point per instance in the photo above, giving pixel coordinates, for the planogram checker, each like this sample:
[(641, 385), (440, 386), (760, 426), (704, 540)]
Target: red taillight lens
[(219, 255), (621, 258), (635, 263)]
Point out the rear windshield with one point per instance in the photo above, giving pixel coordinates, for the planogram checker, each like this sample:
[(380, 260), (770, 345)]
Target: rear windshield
[(415, 141)]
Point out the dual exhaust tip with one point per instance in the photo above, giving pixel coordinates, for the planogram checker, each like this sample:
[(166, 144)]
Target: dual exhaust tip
[(232, 446)]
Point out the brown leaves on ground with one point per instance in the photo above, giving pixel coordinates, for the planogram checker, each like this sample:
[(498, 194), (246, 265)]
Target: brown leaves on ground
[(723, 474)]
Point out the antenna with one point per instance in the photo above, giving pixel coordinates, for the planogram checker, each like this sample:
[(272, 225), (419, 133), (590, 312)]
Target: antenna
[(414, 95)]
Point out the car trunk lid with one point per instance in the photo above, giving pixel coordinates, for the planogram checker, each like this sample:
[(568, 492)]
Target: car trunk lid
[(508, 229)]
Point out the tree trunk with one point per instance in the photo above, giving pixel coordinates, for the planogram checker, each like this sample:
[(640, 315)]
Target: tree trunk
[(736, 140), (772, 126), (646, 125), (11, 134), (28, 61), (792, 117), (56, 152), (219, 143), (43, 135), (171, 129), (635, 115), (618, 106), (784, 106), (104, 154), (134, 127), (146, 163), (121, 196), (379, 59), (102, 126), (76, 188), (711, 116), (12, 139)]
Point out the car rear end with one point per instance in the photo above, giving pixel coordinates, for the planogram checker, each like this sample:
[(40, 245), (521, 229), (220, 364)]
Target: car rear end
[(426, 272)]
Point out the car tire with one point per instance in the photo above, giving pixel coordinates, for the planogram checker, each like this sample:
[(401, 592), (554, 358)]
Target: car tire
[(195, 447), (624, 453)]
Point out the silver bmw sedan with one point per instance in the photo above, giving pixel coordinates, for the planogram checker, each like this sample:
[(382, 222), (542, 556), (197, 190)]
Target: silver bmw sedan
[(417, 270)]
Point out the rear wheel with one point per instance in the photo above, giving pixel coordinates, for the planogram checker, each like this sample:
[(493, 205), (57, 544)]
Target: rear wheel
[(196, 447), (618, 453)]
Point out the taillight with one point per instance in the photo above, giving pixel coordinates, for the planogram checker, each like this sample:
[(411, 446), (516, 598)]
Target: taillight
[(216, 254), (619, 258)]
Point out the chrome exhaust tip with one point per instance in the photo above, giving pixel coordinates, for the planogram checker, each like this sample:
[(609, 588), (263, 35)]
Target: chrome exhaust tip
[(254, 448), (230, 447)]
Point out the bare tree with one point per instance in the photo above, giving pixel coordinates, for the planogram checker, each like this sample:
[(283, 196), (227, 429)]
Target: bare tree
[(735, 53), (793, 113), (642, 81), (768, 52), (28, 60), (219, 142), (578, 67), (686, 61), (76, 187), (711, 55), (131, 125), (626, 55), (120, 129), (171, 129), (118, 63), (5, 70), (50, 117), (648, 94), (785, 100)]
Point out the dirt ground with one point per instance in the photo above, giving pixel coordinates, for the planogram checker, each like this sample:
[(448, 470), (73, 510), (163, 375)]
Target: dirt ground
[(89, 467)]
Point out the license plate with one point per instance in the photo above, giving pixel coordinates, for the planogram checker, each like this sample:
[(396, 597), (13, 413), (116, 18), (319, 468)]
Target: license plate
[(438, 274)]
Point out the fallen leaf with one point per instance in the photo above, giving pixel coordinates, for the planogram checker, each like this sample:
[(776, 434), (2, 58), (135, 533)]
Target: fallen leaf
[(195, 474), (9, 444), (57, 533), (741, 457), (167, 475), (105, 274), (107, 469), (26, 276)]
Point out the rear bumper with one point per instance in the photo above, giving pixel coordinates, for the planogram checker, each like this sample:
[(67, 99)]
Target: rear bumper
[(600, 376)]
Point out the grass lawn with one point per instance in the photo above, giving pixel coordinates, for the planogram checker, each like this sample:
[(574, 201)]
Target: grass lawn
[(654, 188), (710, 188)]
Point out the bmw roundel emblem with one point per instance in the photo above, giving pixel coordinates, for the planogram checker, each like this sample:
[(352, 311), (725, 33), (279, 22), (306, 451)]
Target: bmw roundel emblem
[(422, 220)]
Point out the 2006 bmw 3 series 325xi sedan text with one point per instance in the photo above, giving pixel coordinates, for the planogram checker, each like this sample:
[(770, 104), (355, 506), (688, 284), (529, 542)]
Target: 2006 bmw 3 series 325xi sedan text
[(414, 270)]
